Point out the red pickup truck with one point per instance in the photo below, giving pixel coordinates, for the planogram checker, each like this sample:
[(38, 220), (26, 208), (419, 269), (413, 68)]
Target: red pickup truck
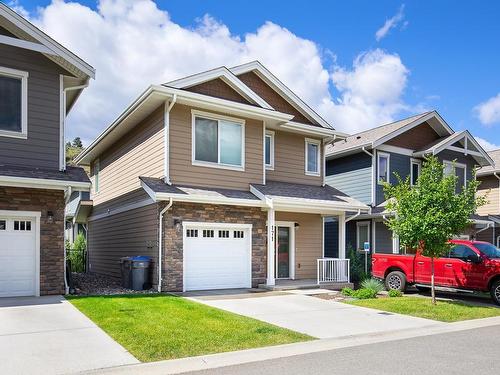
[(469, 266)]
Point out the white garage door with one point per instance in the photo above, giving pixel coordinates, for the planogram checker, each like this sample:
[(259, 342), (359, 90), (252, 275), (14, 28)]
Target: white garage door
[(18, 256), (217, 256)]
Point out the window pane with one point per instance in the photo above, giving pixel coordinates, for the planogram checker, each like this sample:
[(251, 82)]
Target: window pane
[(415, 170), (382, 168), (10, 104), (363, 235), (205, 140), (460, 173), (268, 150), (312, 157), (230, 142)]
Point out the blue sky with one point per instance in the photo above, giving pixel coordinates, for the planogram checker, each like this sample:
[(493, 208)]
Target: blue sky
[(450, 49)]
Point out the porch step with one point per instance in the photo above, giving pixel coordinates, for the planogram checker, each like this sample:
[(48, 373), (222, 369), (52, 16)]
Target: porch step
[(292, 286)]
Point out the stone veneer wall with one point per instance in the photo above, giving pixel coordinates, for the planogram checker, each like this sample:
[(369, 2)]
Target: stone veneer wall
[(51, 231), (173, 241)]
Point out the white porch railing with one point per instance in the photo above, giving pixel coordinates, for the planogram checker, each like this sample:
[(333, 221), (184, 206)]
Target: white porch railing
[(333, 270)]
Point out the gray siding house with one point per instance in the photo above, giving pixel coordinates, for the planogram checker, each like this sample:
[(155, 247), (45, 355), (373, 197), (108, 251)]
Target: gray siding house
[(40, 81), (358, 166)]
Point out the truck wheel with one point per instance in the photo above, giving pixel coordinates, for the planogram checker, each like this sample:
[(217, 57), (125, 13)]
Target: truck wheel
[(495, 292), (396, 280)]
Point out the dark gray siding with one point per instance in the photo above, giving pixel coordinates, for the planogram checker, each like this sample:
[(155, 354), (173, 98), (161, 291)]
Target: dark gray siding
[(331, 238), (399, 164), (383, 238), (133, 232), (352, 175), (41, 149), (350, 237)]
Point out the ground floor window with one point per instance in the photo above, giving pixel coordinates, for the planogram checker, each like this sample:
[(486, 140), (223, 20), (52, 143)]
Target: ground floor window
[(362, 234)]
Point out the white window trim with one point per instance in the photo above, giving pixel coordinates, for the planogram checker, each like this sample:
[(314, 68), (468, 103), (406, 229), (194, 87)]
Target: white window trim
[(412, 162), (388, 173), (359, 224), (457, 165), (211, 116), (316, 142), (8, 72), (270, 134)]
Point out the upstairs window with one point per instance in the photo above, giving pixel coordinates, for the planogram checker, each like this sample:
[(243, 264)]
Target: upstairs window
[(415, 171), (382, 167), (13, 103), (269, 150), (218, 141), (312, 157), (457, 169)]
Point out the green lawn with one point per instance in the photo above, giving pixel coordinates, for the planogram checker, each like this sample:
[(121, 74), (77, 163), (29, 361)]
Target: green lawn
[(157, 327), (445, 311)]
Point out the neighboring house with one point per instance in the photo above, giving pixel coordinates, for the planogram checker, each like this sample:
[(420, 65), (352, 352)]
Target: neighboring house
[(360, 164), (490, 188), (40, 81), (219, 175), (77, 210)]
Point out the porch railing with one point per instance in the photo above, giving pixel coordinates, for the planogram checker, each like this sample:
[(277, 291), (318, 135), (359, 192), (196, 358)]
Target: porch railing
[(333, 270)]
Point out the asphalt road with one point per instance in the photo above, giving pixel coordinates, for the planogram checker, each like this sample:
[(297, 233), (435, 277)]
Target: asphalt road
[(465, 352)]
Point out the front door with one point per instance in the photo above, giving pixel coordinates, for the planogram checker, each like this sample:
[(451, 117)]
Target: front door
[(283, 252)]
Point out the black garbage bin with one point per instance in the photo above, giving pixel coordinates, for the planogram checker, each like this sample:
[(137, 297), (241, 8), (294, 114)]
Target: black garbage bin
[(126, 271), (140, 272)]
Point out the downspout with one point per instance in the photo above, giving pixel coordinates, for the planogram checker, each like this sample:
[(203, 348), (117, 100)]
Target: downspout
[(353, 216), (62, 167), (166, 139), (160, 242), (324, 157), (67, 197)]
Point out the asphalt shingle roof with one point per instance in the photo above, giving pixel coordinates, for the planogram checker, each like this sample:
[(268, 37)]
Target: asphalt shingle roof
[(495, 155), (286, 189), (72, 174)]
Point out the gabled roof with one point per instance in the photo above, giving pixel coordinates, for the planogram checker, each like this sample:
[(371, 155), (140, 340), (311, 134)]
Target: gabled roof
[(490, 169), (281, 89), (374, 137), (224, 74), (25, 30), (466, 140)]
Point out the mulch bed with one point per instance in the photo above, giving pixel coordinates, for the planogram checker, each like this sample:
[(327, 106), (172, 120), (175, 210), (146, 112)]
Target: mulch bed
[(93, 284)]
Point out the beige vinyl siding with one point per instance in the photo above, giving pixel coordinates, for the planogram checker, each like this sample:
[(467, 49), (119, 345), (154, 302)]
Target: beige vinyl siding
[(137, 153), (183, 172), (133, 232), (290, 159), (490, 189), (308, 242)]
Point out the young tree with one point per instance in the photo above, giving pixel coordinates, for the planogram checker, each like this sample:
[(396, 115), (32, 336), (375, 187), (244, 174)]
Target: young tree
[(429, 214)]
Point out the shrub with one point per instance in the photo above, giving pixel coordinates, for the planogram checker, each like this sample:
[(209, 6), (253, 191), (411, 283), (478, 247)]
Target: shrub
[(347, 292), (372, 284), (364, 293), (395, 293), (76, 253), (356, 266)]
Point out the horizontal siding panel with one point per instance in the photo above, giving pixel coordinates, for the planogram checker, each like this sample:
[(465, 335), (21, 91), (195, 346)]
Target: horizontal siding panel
[(356, 183)]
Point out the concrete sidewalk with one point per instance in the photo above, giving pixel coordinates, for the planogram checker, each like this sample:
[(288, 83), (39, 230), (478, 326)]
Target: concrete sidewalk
[(48, 335)]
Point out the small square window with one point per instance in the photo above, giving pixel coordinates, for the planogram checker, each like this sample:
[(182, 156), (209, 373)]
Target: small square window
[(238, 234), (3, 225), (223, 234), (208, 233), (28, 225), (16, 224), (192, 233)]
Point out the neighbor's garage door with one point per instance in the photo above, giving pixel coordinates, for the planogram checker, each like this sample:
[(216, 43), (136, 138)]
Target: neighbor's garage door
[(217, 256), (17, 256)]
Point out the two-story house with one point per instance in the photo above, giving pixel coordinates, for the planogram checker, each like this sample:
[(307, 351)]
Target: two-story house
[(40, 81), (360, 164), (490, 188), (219, 177)]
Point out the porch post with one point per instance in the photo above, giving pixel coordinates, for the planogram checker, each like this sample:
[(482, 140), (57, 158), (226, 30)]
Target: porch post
[(342, 252), (270, 246)]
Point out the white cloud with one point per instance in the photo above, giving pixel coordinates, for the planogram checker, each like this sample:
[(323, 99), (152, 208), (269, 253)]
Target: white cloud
[(370, 93), (488, 146), (134, 43), (488, 112), (391, 23)]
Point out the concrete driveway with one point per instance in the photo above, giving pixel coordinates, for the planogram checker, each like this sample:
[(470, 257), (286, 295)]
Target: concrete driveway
[(47, 335), (313, 316)]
